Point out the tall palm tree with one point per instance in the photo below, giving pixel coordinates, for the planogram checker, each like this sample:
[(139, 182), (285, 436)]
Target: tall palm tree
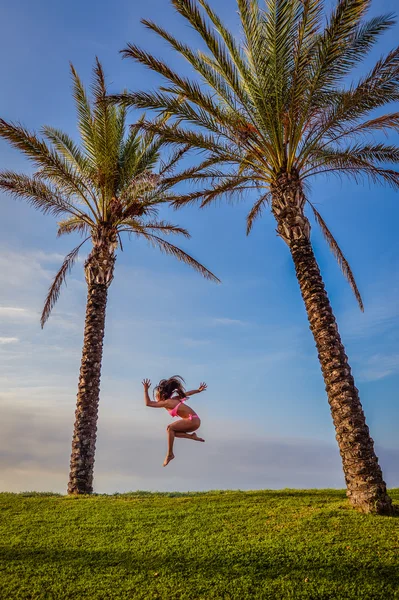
[(105, 187), (267, 110)]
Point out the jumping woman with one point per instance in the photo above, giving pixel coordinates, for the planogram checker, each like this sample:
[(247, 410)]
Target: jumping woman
[(170, 394)]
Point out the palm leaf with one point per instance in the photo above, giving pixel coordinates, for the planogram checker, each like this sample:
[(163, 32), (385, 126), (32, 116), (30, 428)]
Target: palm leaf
[(341, 260), (85, 117), (167, 167), (178, 253), (156, 226), (64, 144), (340, 108), (360, 153), (41, 196), (55, 289), (256, 211), (209, 74), (385, 123), (50, 165), (72, 153), (336, 52), (73, 224), (358, 172), (223, 57)]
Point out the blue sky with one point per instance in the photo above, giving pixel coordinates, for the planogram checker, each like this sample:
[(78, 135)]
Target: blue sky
[(265, 415)]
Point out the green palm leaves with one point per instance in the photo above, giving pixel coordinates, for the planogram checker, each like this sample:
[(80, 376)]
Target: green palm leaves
[(106, 183), (278, 101)]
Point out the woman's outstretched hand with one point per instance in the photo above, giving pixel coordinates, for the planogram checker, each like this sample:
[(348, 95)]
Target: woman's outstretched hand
[(146, 383), (202, 387)]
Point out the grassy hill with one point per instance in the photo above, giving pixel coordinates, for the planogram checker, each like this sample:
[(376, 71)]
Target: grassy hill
[(230, 545)]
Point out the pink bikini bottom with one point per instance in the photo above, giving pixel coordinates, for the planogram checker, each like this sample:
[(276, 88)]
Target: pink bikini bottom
[(191, 417)]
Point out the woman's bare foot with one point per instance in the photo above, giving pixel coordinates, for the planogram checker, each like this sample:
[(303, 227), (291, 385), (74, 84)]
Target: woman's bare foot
[(168, 459), (195, 437)]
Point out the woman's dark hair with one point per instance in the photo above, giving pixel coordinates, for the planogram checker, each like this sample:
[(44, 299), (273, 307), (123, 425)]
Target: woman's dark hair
[(166, 387)]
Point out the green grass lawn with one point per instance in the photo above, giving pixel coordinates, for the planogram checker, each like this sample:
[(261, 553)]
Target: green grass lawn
[(264, 544)]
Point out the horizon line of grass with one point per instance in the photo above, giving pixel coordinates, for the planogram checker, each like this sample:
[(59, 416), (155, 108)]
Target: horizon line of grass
[(172, 494)]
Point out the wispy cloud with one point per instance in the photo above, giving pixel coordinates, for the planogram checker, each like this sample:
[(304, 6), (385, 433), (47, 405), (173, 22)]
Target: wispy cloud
[(226, 321), (381, 314), (16, 313), (372, 338), (379, 366), (194, 342), (8, 340)]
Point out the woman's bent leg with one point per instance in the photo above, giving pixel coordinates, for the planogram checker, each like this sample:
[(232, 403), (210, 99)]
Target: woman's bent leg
[(189, 436), (181, 429)]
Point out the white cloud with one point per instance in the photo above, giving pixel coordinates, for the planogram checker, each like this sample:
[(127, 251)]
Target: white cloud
[(372, 337), (227, 321), (8, 340), (379, 366), (25, 285), (50, 257), (381, 314), (194, 342), (19, 269), (15, 313)]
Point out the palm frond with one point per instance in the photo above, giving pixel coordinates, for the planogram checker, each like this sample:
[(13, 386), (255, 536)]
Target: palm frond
[(173, 135), (50, 165), (85, 117), (209, 74), (226, 187), (337, 51), (147, 157), (178, 253), (277, 43), (356, 153), (72, 153), (241, 73), (129, 156), (156, 226), (167, 167), (144, 155), (107, 132), (228, 68), (264, 90), (308, 32), (191, 176), (55, 289), (73, 224), (341, 260), (343, 108), (384, 123), (358, 173), (208, 113), (345, 41), (64, 144), (256, 210), (41, 196)]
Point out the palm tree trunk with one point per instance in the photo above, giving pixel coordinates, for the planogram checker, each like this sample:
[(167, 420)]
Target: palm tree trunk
[(99, 273), (366, 488)]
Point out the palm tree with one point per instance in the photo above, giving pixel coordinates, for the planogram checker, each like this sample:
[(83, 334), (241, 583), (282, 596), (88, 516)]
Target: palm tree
[(104, 188), (267, 114)]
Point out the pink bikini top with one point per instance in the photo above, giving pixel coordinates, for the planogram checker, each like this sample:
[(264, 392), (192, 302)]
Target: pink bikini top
[(173, 412)]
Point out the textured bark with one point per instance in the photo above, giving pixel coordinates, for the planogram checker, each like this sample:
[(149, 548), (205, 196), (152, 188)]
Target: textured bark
[(99, 273), (366, 488)]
